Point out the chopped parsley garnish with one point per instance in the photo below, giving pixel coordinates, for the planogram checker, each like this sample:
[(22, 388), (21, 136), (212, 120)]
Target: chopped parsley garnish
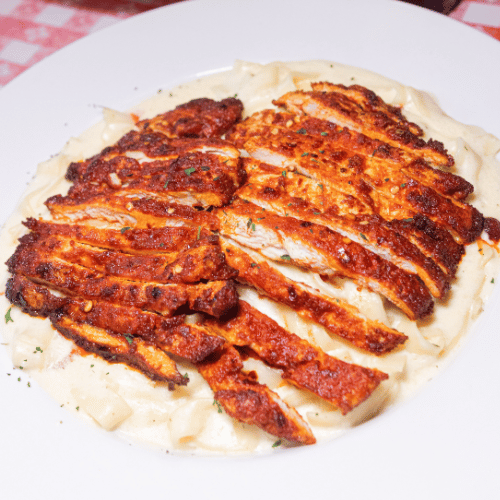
[(189, 171), (123, 229), (129, 339), (324, 133), (198, 233), (304, 154), (165, 185), (219, 407), (283, 173), (249, 223), (277, 443), (302, 131), (285, 257), (492, 280), (403, 185), (8, 316), (363, 236), (205, 169)]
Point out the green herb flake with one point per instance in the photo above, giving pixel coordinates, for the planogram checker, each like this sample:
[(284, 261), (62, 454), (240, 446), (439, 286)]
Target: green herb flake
[(324, 133), (219, 407), (253, 227), (283, 173), (302, 131), (198, 233), (363, 236), (285, 257), (492, 280), (304, 154), (249, 223), (403, 185), (129, 339), (277, 443), (77, 408), (8, 316), (165, 185), (321, 186), (123, 229), (38, 349), (205, 169), (321, 151), (189, 171)]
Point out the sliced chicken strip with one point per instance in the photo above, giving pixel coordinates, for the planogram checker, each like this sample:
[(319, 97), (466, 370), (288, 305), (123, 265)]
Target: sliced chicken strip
[(134, 352), (244, 399), (117, 208), (372, 117), (197, 118)]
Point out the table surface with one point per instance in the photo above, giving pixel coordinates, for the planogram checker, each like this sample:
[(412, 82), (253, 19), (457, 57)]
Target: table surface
[(32, 29)]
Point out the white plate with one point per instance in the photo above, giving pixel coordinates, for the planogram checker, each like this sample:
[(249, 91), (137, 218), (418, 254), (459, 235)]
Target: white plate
[(444, 443)]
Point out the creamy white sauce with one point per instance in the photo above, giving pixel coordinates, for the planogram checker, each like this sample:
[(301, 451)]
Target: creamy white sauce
[(186, 420)]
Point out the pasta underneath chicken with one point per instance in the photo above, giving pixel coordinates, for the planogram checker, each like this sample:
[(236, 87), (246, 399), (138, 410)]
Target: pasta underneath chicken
[(233, 274)]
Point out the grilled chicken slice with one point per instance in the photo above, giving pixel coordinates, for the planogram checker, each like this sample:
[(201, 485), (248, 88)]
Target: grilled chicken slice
[(189, 341), (203, 260), (214, 297), (360, 109), (142, 213), (324, 251), (198, 172), (392, 194), (136, 149), (197, 118), (336, 316), (268, 123), (134, 352), (127, 239), (244, 399), (269, 189), (343, 384)]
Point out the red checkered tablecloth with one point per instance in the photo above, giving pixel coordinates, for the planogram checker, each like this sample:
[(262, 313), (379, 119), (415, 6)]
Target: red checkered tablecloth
[(32, 29)]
